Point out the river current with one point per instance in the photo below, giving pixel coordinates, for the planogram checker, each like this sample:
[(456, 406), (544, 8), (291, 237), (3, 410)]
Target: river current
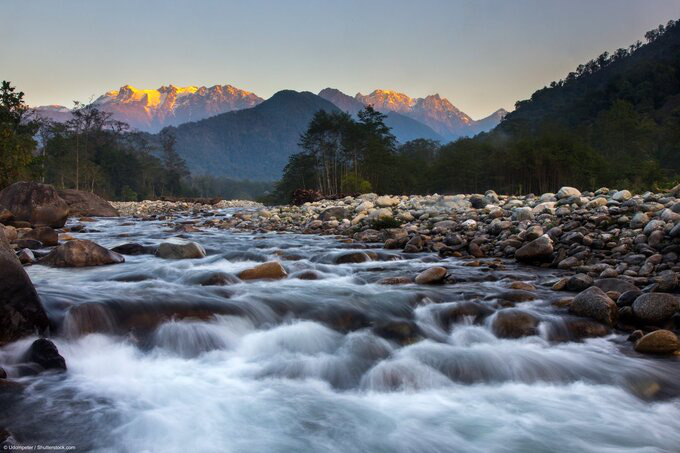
[(159, 362)]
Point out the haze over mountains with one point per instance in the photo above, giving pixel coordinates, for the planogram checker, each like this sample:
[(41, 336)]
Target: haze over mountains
[(226, 131)]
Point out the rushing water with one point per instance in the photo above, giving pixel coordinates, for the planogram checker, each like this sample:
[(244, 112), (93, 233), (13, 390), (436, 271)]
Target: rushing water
[(158, 362)]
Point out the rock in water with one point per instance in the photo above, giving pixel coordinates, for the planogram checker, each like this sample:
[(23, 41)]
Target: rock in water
[(655, 308), (81, 253), (271, 270), (432, 275), (595, 304), (38, 204), (540, 249), (45, 353), (21, 312), (175, 251), (83, 203), (658, 342), (513, 323), (46, 235)]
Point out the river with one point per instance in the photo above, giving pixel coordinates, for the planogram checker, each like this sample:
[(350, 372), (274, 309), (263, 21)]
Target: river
[(158, 362)]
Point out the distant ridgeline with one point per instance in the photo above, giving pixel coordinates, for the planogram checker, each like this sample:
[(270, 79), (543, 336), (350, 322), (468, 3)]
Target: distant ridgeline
[(614, 121)]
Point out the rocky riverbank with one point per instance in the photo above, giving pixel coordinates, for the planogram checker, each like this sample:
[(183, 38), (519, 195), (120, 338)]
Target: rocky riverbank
[(615, 247)]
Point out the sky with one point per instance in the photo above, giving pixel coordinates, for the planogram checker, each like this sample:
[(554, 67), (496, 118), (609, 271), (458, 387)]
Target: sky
[(480, 54)]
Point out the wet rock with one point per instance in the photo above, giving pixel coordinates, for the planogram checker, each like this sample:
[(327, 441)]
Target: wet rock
[(81, 253), (658, 342), (402, 331), (352, 257), (336, 212), (272, 270), (513, 323), (523, 286), (431, 276), (579, 282), (458, 312), (30, 244), (21, 312), (83, 203), (595, 304), (180, 251), (414, 245), (368, 236), (219, 279), (517, 296), (567, 192), (307, 275), (635, 335), (46, 235), (26, 256), (43, 352), (540, 249), (133, 249), (396, 281), (5, 215), (38, 204), (577, 329), (626, 299), (615, 284), (655, 308)]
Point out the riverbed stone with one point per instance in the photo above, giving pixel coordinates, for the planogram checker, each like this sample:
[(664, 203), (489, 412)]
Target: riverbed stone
[(658, 342), (513, 323), (81, 253), (595, 304), (46, 235), (45, 353), (566, 192), (431, 276), (540, 249), (82, 203), (655, 308), (271, 270), (179, 251)]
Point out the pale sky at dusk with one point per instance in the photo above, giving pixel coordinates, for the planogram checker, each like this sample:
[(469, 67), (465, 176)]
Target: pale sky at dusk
[(481, 55)]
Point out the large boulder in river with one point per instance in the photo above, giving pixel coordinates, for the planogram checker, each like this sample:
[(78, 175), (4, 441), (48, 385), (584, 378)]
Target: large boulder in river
[(271, 270), (655, 308), (81, 253), (21, 312), (177, 251), (38, 204), (83, 203), (540, 249), (658, 342), (595, 304)]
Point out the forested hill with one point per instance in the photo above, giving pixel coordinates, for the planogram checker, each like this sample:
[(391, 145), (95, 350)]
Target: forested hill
[(646, 76), (253, 143)]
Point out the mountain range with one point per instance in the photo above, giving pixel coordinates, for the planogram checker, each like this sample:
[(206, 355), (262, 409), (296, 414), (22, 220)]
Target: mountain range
[(225, 131)]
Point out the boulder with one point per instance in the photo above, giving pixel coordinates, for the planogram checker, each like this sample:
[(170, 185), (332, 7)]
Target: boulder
[(540, 249), (21, 312), (83, 203), (352, 257), (595, 304), (38, 204), (513, 323), (180, 251), (432, 275), (658, 342), (655, 308), (566, 192), (45, 353), (271, 270), (46, 235), (81, 253), (618, 285), (579, 282), (386, 201), (337, 212)]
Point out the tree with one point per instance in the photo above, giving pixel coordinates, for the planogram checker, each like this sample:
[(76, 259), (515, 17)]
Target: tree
[(175, 166), (17, 146)]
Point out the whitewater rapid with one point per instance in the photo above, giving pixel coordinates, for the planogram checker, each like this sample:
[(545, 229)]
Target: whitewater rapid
[(158, 363)]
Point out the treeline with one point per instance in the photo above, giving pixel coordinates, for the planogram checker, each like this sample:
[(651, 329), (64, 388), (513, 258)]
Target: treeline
[(92, 151), (615, 122)]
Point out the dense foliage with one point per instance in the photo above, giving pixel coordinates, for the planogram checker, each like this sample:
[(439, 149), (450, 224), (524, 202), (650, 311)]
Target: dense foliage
[(615, 121), (93, 152)]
